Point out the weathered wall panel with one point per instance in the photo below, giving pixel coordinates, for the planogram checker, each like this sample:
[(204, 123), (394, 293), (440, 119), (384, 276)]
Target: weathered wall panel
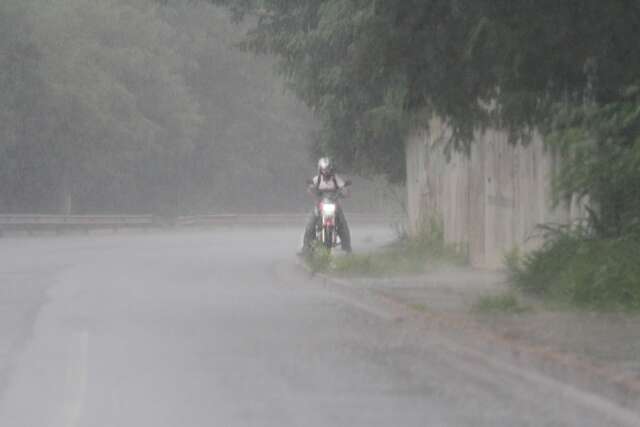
[(489, 201)]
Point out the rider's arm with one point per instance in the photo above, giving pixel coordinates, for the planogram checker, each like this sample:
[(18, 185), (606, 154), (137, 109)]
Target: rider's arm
[(342, 186), (312, 187)]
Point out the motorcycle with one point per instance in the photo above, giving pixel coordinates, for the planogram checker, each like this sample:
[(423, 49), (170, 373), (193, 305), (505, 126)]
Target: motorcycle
[(327, 227)]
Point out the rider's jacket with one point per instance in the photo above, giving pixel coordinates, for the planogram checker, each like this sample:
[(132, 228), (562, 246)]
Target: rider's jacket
[(332, 183)]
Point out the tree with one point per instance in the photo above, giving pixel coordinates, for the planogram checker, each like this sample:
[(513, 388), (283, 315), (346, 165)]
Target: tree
[(114, 106), (569, 69), (366, 66), (22, 143)]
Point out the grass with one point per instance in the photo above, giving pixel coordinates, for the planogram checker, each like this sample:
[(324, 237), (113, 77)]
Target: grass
[(407, 256), (319, 259), (419, 307), (574, 270), (506, 302)]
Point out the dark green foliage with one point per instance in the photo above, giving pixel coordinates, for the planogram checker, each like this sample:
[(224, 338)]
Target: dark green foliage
[(596, 265), (601, 150), (579, 270), (371, 68)]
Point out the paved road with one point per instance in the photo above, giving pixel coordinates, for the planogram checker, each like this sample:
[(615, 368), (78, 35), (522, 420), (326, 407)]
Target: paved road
[(218, 328)]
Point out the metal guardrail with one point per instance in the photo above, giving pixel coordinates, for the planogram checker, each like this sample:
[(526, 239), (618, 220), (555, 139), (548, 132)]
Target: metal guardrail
[(19, 220), (31, 222), (196, 220), (59, 223)]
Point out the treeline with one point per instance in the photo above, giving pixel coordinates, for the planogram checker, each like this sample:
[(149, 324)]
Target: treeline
[(373, 70), (142, 106)]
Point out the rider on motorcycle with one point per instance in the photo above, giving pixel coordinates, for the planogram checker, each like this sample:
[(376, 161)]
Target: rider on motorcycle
[(327, 181)]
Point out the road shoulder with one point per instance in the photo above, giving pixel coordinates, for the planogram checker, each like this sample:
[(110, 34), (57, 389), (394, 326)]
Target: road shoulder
[(599, 354)]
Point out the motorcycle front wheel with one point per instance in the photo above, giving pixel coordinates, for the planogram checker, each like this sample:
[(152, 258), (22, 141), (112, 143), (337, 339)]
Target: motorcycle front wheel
[(328, 238)]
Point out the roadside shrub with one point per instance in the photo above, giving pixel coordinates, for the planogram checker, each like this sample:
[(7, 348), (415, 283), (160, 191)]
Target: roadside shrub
[(596, 265), (319, 258), (575, 268)]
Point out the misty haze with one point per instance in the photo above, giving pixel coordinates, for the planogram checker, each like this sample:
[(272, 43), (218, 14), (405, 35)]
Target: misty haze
[(319, 213)]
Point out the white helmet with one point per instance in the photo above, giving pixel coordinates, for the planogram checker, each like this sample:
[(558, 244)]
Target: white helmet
[(325, 166)]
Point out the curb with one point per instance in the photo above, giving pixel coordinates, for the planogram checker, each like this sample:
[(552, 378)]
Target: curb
[(579, 371)]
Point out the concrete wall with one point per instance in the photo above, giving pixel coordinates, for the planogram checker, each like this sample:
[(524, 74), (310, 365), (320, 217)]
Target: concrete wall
[(490, 201)]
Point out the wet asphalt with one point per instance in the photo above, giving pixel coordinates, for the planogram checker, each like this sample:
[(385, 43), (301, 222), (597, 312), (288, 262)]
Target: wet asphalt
[(219, 327)]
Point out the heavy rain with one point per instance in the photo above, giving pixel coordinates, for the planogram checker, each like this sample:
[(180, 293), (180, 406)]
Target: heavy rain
[(319, 213)]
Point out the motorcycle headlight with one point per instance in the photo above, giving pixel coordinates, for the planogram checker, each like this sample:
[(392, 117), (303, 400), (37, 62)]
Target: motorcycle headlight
[(328, 209)]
